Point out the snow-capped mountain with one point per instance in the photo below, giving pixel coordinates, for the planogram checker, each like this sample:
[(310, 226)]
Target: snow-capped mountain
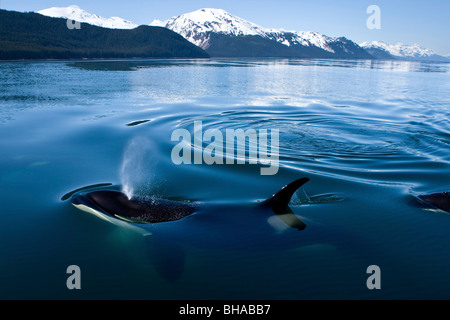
[(400, 51), (223, 34), (77, 14), (196, 25)]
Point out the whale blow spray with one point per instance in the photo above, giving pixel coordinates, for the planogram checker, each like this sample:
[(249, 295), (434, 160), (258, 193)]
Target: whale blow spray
[(136, 162)]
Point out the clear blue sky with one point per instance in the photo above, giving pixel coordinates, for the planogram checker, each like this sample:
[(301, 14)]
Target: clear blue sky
[(409, 21)]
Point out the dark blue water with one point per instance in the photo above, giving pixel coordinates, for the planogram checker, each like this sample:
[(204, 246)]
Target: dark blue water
[(370, 136)]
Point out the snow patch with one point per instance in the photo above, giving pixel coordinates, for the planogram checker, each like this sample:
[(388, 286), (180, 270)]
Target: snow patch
[(75, 13)]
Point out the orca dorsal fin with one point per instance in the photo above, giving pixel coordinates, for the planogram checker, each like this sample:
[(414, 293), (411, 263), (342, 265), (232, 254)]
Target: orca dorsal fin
[(279, 202)]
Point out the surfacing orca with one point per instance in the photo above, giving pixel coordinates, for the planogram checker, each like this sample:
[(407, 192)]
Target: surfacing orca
[(114, 205), (165, 230), (439, 200)]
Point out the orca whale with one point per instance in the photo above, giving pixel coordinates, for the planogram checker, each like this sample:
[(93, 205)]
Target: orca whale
[(440, 200), (115, 206), (166, 228)]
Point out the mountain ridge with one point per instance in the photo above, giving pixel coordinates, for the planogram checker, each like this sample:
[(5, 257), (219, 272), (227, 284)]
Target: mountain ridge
[(75, 13), (35, 36), (199, 26)]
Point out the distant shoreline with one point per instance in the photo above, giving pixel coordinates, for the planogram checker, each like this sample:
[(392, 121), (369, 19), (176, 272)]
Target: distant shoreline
[(99, 59), (210, 58)]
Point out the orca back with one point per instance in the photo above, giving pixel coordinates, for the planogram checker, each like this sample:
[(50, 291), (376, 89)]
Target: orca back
[(140, 209), (438, 200)]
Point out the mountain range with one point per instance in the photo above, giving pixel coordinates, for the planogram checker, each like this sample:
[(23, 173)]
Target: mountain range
[(222, 34), (382, 50), (34, 36)]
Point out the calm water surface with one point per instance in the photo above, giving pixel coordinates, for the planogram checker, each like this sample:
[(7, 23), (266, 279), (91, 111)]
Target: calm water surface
[(370, 135)]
